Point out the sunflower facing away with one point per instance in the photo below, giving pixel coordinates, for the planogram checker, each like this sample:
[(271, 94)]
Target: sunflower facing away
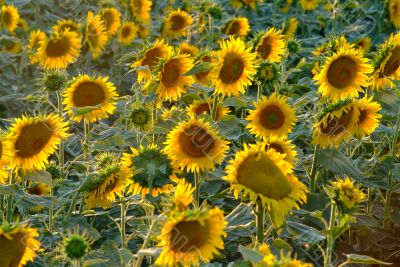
[(151, 57), (112, 20), (75, 245), (199, 107), (273, 116), (343, 74), (68, 24), (4, 159), (34, 43), (33, 139), (59, 50), (284, 147), (176, 24), (94, 92), (18, 244), (190, 237), (364, 44), (171, 78), (96, 34), (150, 171), (237, 26), (270, 45), (9, 17), (233, 68), (369, 116), (127, 33), (264, 174), (394, 12), (195, 145), (141, 9), (309, 4)]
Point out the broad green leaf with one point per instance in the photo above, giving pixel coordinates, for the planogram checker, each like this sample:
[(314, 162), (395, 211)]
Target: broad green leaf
[(40, 177), (202, 67), (363, 259), (304, 234), (250, 254)]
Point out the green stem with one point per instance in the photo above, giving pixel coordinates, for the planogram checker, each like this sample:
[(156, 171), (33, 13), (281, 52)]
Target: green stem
[(260, 221), (85, 143), (123, 222), (71, 206), (211, 37), (51, 212), (10, 200), (214, 108), (197, 189), (61, 147), (258, 91), (313, 173), (330, 240), (146, 241)]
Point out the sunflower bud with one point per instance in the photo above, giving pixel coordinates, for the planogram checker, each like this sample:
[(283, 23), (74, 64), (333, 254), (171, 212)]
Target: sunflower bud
[(53, 80)]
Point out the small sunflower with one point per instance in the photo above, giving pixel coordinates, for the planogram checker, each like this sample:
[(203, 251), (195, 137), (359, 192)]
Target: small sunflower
[(96, 34), (127, 33), (33, 139), (9, 17), (237, 26), (273, 116), (186, 48), (204, 77), (171, 78), (18, 244), (265, 175), (59, 50), (290, 28), (75, 244), (22, 24), (94, 92), (248, 3), (364, 44), (286, 7), (190, 237), (347, 195), (199, 107), (141, 118), (183, 195), (12, 47), (141, 9), (38, 189), (284, 147), (270, 45), (233, 68), (343, 74), (369, 116), (194, 145), (34, 43), (268, 73), (4, 158), (68, 24), (309, 4), (176, 24), (112, 20), (394, 12)]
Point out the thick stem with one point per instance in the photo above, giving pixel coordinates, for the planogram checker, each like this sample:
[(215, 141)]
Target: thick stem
[(85, 142), (61, 146), (260, 221), (330, 240), (313, 173), (197, 189)]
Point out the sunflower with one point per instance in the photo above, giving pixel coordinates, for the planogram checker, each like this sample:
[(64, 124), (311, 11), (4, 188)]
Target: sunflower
[(34, 43), (18, 244), (171, 78), (112, 20), (22, 24), (233, 68), (183, 195), (273, 116), (364, 44), (343, 74), (270, 45), (127, 33), (309, 4), (38, 189), (347, 195), (268, 73), (290, 28), (284, 147), (237, 26), (96, 34), (387, 64), (249, 3), (285, 9), (190, 237), (93, 92), (176, 24), (369, 116), (204, 77), (9, 17), (68, 24), (12, 47), (59, 50), (199, 107), (75, 244), (265, 175), (195, 145), (394, 12), (141, 118), (336, 126), (151, 57), (4, 158), (141, 9), (150, 171), (33, 139), (186, 48), (269, 259)]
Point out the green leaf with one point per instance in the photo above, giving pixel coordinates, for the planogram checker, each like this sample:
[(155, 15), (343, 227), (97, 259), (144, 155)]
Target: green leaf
[(355, 258), (304, 234), (250, 254), (202, 67), (125, 255), (92, 180), (92, 262), (83, 110), (338, 163), (8, 189), (40, 177)]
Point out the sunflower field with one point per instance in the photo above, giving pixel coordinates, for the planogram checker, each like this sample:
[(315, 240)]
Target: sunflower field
[(240, 133)]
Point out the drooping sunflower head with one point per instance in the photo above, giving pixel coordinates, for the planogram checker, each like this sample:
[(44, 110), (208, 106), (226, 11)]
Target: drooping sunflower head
[(34, 42), (141, 118), (200, 107), (237, 26), (59, 50), (96, 93), (265, 175), (195, 145), (75, 244), (4, 158), (343, 75), (192, 237), (141, 9), (171, 78), (9, 17), (33, 139), (18, 244), (68, 24), (394, 12), (186, 48), (369, 117), (284, 147), (270, 45), (273, 116), (346, 195), (233, 68), (309, 4), (290, 28), (127, 32), (150, 171), (112, 19), (176, 24), (96, 34)]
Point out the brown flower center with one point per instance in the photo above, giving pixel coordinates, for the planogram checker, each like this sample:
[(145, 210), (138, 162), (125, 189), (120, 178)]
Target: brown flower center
[(7, 18), (93, 35), (33, 139), (232, 69), (264, 49), (277, 147), (108, 19), (272, 117), (152, 57), (171, 73), (88, 94), (126, 31), (342, 72), (393, 63), (363, 116), (336, 126), (58, 47), (177, 23), (189, 236), (196, 142), (234, 28), (69, 26)]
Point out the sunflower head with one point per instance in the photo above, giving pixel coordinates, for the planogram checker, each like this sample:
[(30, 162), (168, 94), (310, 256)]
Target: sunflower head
[(141, 9), (4, 158), (9, 17), (68, 24), (268, 73), (176, 24), (53, 80), (112, 19), (200, 107), (38, 189), (237, 26), (12, 46), (186, 48), (394, 12), (284, 147), (141, 118), (96, 34), (364, 44), (34, 42), (183, 196), (309, 4), (293, 46), (270, 45), (127, 32), (346, 195), (290, 28), (75, 244)]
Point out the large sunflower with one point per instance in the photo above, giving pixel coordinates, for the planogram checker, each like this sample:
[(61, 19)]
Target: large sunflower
[(9, 17), (150, 171), (199, 107), (4, 159), (151, 57), (141, 9), (237, 26), (92, 92), (127, 32), (68, 24), (273, 116), (309, 4), (195, 146), (112, 19), (265, 175), (233, 68), (190, 237), (369, 116), (33, 139), (176, 24), (171, 78), (284, 147), (96, 34), (34, 43), (18, 244), (394, 12), (270, 45), (59, 50), (343, 74), (336, 126)]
